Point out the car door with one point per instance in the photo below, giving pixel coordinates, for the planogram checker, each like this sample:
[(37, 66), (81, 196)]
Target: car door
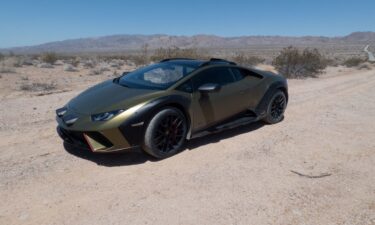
[(252, 91), (212, 107)]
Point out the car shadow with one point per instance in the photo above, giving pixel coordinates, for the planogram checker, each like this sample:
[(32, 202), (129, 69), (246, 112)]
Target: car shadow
[(222, 135), (110, 159), (137, 156)]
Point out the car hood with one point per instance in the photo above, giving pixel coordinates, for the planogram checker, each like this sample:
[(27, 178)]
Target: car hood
[(108, 96)]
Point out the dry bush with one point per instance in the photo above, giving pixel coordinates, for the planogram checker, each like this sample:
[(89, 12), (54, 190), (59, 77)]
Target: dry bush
[(335, 62), (75, 62), (70, 68), (14, 61), (44, 65), (4, 69), (293, 63), (365, 66), (100, 70), (38, 87), (89, 63), (353, 62), (246, 60), (1, 56), (175, 52), (7, 66), (49, 57), (95, 72)]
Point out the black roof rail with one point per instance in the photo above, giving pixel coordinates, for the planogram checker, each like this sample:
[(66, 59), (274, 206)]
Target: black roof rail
[(170, 59), (213, 61)]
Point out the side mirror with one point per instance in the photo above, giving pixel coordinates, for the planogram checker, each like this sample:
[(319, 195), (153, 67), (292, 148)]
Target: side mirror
[(206, 88)]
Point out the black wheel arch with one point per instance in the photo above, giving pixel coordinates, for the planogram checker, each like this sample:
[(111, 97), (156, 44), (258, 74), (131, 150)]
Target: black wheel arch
[(262, 105), (135, 134)]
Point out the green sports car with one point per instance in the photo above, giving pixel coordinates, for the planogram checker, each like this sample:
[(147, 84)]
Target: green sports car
[(160, 106)]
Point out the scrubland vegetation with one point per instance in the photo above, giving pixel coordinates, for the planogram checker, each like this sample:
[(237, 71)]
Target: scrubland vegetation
[(291, 62)]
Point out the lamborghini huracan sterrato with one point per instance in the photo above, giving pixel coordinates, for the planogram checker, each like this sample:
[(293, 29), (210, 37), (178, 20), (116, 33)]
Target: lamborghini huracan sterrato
[(160, 106)]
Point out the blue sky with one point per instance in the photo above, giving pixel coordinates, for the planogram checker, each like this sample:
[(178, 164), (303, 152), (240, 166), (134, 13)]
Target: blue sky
[(29, 22)]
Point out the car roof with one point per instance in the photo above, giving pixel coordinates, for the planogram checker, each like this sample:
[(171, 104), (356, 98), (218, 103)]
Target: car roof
[(199, 63), (188, 62)]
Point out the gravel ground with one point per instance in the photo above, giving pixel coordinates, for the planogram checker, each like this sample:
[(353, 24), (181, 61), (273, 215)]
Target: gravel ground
[(241, 176)]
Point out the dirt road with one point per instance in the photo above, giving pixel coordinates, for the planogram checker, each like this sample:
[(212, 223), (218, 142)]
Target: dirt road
[(242, 176)]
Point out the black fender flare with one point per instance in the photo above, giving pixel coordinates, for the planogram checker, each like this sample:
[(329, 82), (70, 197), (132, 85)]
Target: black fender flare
[(134, 128), (261, 108)]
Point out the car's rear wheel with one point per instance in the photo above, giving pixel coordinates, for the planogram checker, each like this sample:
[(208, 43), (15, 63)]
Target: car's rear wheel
[(276, 107), (165, 133)]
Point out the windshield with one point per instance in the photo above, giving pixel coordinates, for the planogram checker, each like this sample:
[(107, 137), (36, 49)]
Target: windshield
[(157, 76)]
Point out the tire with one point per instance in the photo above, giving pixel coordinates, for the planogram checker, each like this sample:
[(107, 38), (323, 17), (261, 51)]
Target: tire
[(276, 108), (165, 133)]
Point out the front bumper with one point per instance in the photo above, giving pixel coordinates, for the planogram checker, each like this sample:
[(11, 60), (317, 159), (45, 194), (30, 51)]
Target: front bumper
[(124, 132), (109, 140)]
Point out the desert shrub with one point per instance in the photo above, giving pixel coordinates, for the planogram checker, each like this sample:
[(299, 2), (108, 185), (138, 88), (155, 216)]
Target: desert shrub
[(37, 87), (100, 70), (353, 62), (27, 61), (293, 63), (89, 63), (14, 61), (333, 62), (49, 57), (69, 68), (246, 60), (1, 56), (364, 66), (75, 62), (4, 69), (44, 65), (114, 64), (95, 72), (175, 52)]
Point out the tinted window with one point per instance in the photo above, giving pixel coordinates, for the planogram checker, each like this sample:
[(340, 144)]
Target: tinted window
[(219, 75), (238, 74)]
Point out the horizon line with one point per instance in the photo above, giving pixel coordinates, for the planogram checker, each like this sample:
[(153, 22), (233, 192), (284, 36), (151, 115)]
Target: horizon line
[(183, 35)]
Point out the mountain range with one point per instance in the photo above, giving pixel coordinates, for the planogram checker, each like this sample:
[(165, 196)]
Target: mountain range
[(119, 43)]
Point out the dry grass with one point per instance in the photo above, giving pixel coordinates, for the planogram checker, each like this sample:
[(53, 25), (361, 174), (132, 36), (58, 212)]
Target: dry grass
[(38, 87)]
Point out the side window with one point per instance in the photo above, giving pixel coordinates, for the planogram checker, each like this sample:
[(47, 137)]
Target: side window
[(251, 74), (186, 87), (218, 75), (238, 74)]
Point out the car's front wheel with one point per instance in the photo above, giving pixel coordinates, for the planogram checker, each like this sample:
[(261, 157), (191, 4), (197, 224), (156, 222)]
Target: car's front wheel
[(165, 133), (276, 107)]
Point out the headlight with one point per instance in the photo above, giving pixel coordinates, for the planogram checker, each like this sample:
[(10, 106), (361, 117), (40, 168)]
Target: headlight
[(60, 112), (105, 116)]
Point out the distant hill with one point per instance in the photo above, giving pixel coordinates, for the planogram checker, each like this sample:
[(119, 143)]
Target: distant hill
[(118, 43)]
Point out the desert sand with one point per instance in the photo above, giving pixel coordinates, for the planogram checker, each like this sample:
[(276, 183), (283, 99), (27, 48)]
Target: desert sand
[(240, 176)]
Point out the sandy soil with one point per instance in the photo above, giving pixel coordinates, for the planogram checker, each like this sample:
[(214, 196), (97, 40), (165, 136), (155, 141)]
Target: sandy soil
[(241, 176)]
